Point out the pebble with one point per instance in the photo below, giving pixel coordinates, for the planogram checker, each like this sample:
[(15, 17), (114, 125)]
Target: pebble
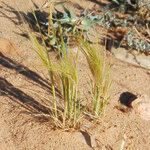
[(142, 107)]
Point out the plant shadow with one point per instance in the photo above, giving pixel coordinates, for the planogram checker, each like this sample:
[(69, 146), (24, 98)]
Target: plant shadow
[(87, 138), (26, 72), (39, 16), (21, 17), (26, 101), (29, 103)]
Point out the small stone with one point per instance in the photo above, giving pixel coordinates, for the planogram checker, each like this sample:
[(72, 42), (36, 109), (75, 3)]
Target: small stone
[(142, 107), (144, 111), (136, 102)]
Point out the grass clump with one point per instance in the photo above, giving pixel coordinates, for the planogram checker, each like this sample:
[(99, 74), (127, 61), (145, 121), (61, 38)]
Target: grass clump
[(101, 82), (69, 81), (67, 111)]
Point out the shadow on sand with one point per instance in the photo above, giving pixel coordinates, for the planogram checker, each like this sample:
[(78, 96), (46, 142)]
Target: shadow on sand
[(9, 90), (15, 94)]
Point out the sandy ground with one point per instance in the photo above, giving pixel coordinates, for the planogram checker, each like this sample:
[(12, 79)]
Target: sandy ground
[(21, 72)]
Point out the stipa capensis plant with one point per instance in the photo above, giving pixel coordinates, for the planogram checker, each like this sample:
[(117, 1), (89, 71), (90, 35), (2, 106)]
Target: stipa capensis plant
[(101, 81), (42, 53), (69, 82), (66, 110)]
